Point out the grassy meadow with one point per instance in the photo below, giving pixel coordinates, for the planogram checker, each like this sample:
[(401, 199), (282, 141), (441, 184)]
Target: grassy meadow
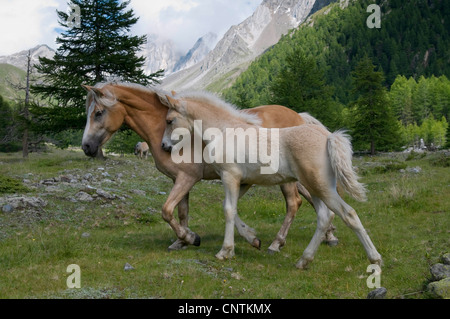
[(406, 215)]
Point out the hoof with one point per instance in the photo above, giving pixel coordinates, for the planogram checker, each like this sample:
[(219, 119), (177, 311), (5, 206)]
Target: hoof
[(225, 254), (197, 240), (272, 251), (302, 264), (256, 243), (333, 243)]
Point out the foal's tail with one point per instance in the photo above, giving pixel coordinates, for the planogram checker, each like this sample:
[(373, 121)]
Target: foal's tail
[(340, 152)]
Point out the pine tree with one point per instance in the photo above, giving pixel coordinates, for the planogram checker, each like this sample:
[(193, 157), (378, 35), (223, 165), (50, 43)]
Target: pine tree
[(100, 49), (301, 86), (373, 119)]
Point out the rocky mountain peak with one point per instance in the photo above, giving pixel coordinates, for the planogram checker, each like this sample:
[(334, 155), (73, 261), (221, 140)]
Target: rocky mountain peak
[(242, 43), (19, 59)]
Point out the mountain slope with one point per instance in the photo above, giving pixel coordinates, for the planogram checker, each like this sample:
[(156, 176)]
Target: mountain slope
[(19, 59), (414, 40), (241, 45), (9, 76)]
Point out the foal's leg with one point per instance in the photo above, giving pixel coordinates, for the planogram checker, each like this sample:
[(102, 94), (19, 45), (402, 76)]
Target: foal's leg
[(293, 202), (232, 186), (351, 219), (324, 218), (244, 230), (183, 213), (181, 188), (330, 239)]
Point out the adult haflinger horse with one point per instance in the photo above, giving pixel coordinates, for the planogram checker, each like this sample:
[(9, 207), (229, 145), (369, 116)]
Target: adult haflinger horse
[(110, 105), (306, 153)]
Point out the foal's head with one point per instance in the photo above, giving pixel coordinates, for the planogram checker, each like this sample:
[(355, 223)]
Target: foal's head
[(175, 119), (104, 118)]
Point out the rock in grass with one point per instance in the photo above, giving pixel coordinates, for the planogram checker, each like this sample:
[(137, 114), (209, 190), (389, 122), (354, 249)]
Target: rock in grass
[(378, 293), (440, 271), (128, 267), (446, 259), (7, 208), (440, 289)]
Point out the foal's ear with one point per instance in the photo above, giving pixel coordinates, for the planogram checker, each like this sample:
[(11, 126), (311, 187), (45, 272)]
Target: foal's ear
[(174, 103)]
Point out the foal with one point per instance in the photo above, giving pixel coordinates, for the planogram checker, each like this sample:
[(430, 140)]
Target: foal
[(306, 153)]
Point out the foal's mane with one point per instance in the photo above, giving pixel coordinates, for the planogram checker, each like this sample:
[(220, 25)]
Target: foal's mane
[(214, 101)]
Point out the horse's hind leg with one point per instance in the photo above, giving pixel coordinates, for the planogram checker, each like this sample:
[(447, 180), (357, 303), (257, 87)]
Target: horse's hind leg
[(293, 202), (330, 238), (324, 218), (351, 219)]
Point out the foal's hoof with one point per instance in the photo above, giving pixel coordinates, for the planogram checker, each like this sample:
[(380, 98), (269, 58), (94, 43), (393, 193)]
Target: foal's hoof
[(256, 243), (332, 243), (303, 264), (271, 251)]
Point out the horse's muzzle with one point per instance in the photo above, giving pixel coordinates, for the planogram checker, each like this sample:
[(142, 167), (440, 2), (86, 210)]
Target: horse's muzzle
[(165, 147), (89, 149)]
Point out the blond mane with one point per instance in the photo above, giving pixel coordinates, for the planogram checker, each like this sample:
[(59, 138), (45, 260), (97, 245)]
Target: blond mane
[(109, 99), (211, 99)]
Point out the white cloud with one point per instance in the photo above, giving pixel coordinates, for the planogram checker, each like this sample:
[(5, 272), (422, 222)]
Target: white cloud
[(27, 23), (184, 21)]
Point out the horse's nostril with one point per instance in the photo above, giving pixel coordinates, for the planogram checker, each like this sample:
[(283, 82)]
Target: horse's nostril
[(86, 148)]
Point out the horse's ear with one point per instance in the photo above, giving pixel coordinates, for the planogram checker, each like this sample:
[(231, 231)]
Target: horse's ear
[(174, 103), (88, 88), (92, 89)]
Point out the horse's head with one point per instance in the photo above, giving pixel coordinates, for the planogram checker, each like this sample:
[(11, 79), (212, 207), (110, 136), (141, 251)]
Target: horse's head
[(137, 148), (104, 117), (175, 119)]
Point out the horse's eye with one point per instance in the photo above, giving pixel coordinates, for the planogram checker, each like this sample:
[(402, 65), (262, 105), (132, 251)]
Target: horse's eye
[(169, 122), (98, 113)]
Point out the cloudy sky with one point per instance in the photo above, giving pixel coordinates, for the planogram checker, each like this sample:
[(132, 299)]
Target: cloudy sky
[(27, 23)]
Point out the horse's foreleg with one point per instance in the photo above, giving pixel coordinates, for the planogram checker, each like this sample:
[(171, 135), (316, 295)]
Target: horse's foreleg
[(181, 188), (293, 203), (183, 216), (330, 238), (244, 230), (232, 186)]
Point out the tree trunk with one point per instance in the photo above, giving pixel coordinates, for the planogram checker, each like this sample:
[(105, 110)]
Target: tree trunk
[(26, 113), (372, 147)]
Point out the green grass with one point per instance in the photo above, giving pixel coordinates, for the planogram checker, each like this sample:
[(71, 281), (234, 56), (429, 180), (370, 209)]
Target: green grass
[(406, 216)]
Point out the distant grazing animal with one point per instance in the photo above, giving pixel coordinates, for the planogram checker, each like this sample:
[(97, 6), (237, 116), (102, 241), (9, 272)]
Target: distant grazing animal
[(306, 153), (141, 149), (109, 105)]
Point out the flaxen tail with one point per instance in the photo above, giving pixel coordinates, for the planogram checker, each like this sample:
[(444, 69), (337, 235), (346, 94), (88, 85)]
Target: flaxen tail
[(340, 152)]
